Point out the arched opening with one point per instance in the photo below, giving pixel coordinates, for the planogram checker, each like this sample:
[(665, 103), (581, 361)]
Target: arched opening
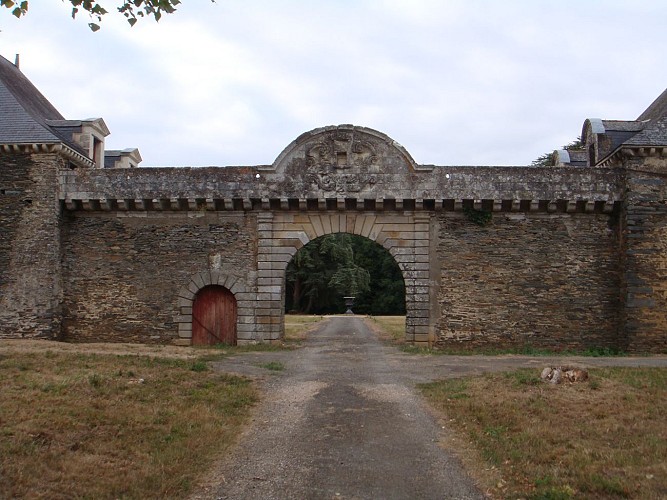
[(214, 312), (339, 265)]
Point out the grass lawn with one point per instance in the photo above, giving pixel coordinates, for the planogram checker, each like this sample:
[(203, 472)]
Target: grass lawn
[(109, 426), (297, 326), (391, 327), (605, 438)]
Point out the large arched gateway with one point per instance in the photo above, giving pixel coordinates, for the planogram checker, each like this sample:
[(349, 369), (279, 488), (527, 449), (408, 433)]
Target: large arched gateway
[(490, 255), (570, 255)]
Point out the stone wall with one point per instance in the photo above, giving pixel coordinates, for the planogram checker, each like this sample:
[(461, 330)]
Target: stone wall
[(546, 280), (644, 284), (30, 283), (124, 273), (573, 256)]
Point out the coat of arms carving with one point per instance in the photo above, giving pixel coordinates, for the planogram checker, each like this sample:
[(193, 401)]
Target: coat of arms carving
[(343, 163)]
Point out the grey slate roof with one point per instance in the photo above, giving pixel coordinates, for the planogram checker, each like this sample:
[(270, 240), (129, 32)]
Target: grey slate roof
[(619, 131), (657, 109), (654, 119), (578, 157), (24, 111), (654, 134)]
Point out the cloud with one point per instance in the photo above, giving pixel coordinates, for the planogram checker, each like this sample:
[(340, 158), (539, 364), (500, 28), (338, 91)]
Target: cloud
[(461, 82)]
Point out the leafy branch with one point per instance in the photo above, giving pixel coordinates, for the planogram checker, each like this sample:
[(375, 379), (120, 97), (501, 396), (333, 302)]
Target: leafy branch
[(133, 10)]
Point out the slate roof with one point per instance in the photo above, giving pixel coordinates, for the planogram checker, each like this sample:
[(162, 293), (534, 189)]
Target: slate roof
[(619, 131), (654, 119), (657, 109), (648, 130), (24, 111), (578, 157), (654, 134)]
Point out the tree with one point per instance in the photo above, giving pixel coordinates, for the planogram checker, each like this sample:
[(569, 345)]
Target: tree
[(131, 9), (386, 292), (321, 273), (338, 265)]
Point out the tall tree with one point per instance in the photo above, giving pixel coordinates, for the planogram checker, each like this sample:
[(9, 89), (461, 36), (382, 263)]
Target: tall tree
[(338, 265), (386, 292)]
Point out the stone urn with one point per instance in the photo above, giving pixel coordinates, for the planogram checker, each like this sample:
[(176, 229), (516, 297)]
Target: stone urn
[(349, 302)]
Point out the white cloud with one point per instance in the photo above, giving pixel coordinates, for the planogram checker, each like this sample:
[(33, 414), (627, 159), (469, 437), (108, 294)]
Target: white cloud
[(460, 82)]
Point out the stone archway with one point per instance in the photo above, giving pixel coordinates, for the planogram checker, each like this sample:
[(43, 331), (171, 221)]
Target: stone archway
[(214, 312), (326, 270), (406, 236), (242, 294)]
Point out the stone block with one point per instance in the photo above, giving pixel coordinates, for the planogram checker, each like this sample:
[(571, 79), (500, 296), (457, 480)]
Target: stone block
[(245, 296), (316, 224), (245, 328)]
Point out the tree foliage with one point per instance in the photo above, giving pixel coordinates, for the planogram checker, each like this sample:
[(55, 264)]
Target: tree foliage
[(133, 10), (338, 265)]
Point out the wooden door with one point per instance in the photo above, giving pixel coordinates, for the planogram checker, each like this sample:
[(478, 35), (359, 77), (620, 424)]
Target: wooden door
[(214, 317)]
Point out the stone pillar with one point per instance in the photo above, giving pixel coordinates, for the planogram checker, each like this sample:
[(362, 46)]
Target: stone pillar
[(30, 220), (644, 257), (272, 260)]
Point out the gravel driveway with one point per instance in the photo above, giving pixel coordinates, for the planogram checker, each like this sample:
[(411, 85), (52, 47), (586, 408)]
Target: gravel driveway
[(343, 420)]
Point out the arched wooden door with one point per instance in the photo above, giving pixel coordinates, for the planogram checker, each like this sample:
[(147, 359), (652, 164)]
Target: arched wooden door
[(214, 316)]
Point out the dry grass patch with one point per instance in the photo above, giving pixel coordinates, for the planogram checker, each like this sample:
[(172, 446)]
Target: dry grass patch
[(297, 326), (606, 438), (391, 328), (103, 426)]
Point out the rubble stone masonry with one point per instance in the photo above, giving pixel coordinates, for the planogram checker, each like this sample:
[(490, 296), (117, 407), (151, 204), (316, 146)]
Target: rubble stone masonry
[(565, 257), (547, 280), (644, 255), (123, 271), (30, 277)]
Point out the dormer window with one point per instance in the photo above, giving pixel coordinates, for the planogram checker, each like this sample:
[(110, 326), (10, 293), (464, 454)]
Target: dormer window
[(86, 136), (96, 130), (126, 158)]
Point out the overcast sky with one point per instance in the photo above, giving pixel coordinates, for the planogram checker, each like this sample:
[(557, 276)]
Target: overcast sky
[(455, 82)]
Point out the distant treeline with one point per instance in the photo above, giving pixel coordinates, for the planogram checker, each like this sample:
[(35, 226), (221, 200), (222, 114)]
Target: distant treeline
[(338, 265)]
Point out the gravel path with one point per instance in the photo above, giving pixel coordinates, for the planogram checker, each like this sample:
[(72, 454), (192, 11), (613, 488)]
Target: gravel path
[(342, 421)]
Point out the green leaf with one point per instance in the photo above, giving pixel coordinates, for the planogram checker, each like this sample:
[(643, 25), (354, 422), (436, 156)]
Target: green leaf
[(17, 12), (93, 27)]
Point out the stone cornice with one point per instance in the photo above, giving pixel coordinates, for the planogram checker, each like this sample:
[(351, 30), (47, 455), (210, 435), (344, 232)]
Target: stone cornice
[(626, 152), (199, 205), (58, 147)]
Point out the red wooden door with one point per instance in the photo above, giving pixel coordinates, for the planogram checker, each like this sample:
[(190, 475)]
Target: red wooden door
[(214, 316)]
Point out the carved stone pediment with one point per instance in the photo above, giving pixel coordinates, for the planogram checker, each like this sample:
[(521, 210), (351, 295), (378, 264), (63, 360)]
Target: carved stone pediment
[(341, 150), (342, 163), (342, 159)]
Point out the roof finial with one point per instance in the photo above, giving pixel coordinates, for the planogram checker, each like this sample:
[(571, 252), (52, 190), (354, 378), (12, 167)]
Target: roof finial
[(16, 61)]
